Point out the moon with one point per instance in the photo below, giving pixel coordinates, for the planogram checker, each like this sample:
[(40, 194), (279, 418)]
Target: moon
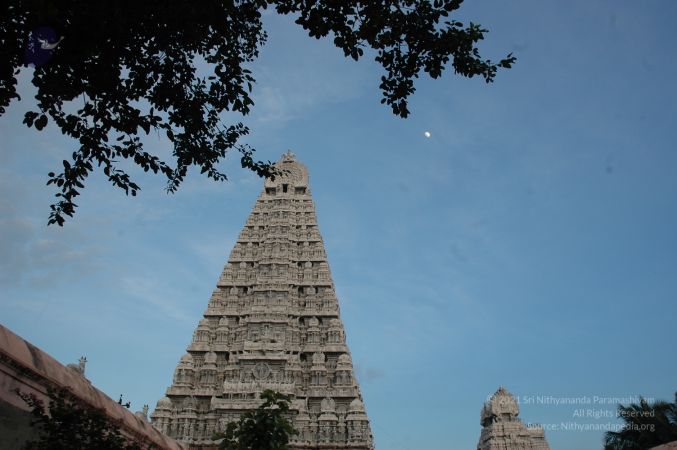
[(427, 134)]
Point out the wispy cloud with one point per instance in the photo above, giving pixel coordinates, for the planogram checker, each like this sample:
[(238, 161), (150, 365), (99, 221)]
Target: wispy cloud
[(156, 296), (281, 95), (32, 254), (366, 374)]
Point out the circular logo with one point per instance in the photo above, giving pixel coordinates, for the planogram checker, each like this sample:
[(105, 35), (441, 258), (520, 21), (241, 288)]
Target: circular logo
[(42, 43), (261, 371)]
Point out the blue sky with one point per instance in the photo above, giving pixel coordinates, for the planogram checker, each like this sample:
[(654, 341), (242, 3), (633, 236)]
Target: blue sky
[(529, 242)]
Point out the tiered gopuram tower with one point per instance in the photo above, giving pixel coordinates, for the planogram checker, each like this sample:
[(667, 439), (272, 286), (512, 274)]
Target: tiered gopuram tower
[(503, 430), (272, 323)]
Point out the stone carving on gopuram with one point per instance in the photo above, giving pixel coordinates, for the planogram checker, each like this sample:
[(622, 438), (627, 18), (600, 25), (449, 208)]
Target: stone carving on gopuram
[(503, 430), (272, 323)]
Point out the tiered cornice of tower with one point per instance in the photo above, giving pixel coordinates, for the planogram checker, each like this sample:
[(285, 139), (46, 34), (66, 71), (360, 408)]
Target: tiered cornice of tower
[(272, 323)]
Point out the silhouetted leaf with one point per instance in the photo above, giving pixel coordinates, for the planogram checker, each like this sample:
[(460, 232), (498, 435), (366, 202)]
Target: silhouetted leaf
[(41, 122)]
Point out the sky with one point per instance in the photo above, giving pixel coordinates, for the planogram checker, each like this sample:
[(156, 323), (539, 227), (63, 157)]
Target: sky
[(529, 242)]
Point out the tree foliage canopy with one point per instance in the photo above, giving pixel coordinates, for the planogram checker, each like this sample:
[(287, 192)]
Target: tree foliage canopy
[(265, 428), (106, 71), (647, 425), (68, 423)]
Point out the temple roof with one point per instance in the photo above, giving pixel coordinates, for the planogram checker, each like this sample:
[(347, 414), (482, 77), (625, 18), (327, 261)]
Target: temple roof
[(294, 173)]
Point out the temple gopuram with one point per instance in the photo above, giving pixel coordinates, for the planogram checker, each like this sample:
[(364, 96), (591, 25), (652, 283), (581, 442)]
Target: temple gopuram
[(272, 322)]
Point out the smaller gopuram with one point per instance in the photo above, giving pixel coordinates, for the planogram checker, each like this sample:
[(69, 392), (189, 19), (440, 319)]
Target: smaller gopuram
[(503, 430)]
